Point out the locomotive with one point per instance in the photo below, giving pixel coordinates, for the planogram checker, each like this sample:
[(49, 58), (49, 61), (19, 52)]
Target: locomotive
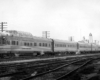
[(17, 43)]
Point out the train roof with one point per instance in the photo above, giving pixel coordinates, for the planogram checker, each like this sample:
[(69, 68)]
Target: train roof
[(64, 41), (84, 43), (41, 38), (19, 33), (24, 35)]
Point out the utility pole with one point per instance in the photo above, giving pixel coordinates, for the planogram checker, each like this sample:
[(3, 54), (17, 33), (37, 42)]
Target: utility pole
[(2, 26), (46, 34)]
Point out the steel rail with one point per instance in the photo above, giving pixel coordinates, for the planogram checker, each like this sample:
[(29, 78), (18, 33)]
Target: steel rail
[(39, 65), (71, 72), (40, 74)]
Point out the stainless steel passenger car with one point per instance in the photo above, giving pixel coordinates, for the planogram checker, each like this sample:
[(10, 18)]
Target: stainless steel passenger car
[(64, 46), (16, 43), (22, 42), (84, 47)]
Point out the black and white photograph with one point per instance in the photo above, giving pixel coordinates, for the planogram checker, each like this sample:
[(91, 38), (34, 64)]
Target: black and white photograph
[(49, 39)]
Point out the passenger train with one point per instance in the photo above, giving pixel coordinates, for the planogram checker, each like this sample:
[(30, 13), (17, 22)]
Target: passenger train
[(17, 43)]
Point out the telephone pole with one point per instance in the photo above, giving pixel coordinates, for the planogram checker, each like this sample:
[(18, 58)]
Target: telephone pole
[(2, 24), (46, 34)]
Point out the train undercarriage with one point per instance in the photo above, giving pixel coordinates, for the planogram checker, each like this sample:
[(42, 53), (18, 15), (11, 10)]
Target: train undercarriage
[(34, 54)]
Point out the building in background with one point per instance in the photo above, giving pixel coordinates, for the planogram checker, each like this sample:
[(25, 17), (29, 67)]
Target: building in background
[(71, 38), (90, 38), (46, 34)]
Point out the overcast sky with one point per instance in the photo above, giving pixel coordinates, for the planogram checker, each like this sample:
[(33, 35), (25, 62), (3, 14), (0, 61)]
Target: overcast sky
[(63, 18)]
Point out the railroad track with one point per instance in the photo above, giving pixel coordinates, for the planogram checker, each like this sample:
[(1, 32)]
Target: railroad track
[(60, 70), (39, 66), (41, 69)]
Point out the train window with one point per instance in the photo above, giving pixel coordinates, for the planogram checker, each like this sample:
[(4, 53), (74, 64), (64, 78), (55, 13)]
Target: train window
[(68, 45), (24, 44), (49, 45), (30, 44), (17, 42), (27, 44), (2, 40), (42, 44), (46, 44), (35, 44), (39, 44), (13, 42)]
